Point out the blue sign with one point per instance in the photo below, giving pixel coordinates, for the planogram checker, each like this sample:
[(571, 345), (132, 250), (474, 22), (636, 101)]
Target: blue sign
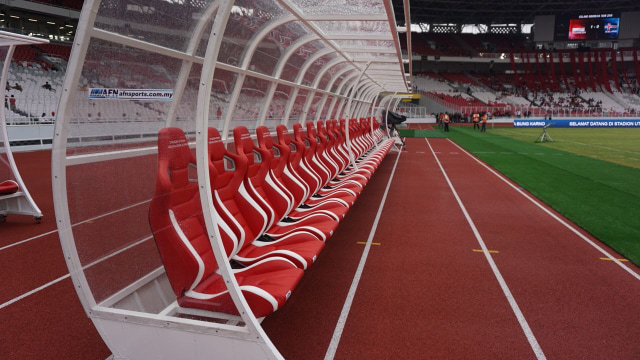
[(579, 123)]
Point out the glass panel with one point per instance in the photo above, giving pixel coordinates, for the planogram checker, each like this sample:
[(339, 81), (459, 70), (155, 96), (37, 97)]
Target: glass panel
[(167, 23), (295, 62), (221, 90), (278, 106), (325, 108), (297, 106), (274, 45), (250, 103), (355, 27), (247, 18), (365, 43), (313, 110), (313, 70), (113, 136), (347, 7)]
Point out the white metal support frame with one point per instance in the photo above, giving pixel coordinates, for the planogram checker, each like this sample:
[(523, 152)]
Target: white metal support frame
[(21, 202), (269, 351), (185, 68), (353, 91), (334, 78), (339, 91), (365, 88)]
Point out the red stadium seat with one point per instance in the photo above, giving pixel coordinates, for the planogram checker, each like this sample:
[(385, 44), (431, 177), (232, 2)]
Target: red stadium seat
[(298, 175), (8, 187), (267, 194), (246, 218), (295, 191), (177, 222)]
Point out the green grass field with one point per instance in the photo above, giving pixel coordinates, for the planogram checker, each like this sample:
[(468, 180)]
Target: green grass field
[(620, 146), (588, 175)]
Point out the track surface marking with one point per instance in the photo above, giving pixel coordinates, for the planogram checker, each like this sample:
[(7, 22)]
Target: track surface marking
[(578, 306), (503, 285)]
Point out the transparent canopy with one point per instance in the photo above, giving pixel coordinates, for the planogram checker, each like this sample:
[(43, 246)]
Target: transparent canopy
[(148, 82)]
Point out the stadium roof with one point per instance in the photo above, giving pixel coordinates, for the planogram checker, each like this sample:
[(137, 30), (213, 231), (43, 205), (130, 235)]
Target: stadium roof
[(503, 11)]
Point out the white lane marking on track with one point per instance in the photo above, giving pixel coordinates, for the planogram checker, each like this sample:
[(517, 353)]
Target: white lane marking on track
[(42, 287), (78, 223), (27, 240), (342, 320), (537, 350), (567, 225)]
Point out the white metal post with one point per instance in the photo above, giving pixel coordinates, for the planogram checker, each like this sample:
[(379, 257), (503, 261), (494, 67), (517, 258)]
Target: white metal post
[(204, 181)]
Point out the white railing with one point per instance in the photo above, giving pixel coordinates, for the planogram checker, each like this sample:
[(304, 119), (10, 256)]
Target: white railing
[(412, 112)]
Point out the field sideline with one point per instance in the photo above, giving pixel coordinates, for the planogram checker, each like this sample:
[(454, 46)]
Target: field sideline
[(572, 176)]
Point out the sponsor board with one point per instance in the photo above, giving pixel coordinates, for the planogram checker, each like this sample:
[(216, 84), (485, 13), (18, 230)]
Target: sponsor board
[(579, 123), (131, 94)]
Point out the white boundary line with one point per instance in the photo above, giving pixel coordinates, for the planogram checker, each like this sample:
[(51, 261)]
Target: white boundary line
[(342, 320), (567, 225), (27, 240), (78, 223), (505, 288)]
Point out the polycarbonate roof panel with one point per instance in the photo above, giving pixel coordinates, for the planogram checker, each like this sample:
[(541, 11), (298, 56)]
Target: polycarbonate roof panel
[(274, 46), (365, 43), (342, 7), (247, 18), (166, 23), (355, 27)]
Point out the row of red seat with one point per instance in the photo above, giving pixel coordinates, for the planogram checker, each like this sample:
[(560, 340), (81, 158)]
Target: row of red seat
[(276, 202)]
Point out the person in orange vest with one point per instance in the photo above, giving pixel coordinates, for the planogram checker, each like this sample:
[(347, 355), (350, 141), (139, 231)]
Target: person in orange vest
[(476, 120), (445, 120), (484, 122)]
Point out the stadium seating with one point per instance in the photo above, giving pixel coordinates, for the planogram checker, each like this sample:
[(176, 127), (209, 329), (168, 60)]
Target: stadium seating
[(269, 229)]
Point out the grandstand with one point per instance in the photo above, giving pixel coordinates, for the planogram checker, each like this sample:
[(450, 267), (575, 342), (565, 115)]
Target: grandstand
[(228, 180)]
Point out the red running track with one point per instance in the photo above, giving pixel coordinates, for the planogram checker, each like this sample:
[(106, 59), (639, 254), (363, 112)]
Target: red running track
[(578, 306), (424, 293)]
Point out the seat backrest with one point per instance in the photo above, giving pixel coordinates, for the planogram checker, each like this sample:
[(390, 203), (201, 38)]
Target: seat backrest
[(323, 149), (175, 215), (280, 155), (308, 151), (296, 173), (258, 180), (230, 198)]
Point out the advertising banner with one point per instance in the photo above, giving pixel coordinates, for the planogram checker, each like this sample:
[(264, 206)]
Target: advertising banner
[(131, 94), (578, 123)]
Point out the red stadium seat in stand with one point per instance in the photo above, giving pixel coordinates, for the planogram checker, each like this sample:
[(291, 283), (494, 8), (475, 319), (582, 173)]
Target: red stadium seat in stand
[(290, 186), (298, 175), (245, 218), (176, 219), (267, 194)]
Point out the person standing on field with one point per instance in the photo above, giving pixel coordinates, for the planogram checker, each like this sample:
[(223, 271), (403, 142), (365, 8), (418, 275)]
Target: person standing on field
[(484, 122), (445, 120), (476, 120)]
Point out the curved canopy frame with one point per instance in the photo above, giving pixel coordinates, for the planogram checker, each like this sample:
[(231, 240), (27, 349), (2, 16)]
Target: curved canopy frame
[(19, 202), (190, 61)]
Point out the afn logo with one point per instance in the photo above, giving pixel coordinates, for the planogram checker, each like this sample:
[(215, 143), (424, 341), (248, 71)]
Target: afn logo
[(98, 93)]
